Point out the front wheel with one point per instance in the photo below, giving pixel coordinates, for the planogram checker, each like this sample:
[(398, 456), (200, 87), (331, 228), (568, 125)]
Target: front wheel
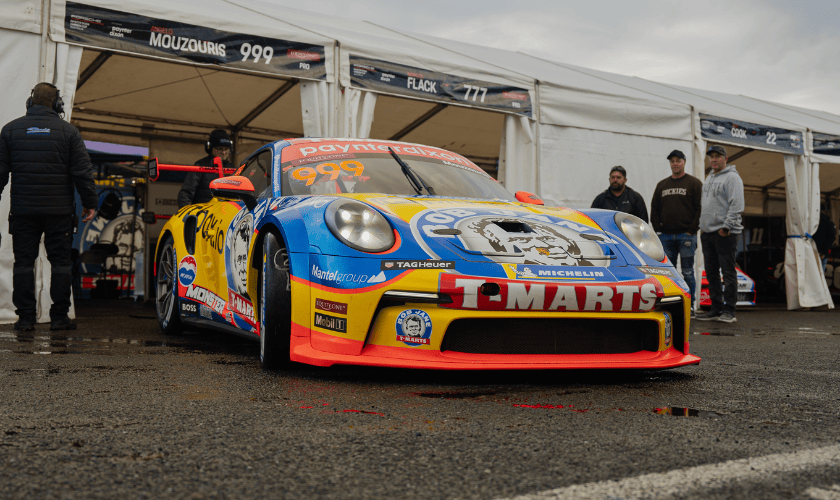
[(166, 287), (275, 303)]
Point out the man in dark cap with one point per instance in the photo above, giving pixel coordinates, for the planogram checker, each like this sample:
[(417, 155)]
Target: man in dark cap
[(720, 223), (47, 159), (675, 216), (620, 197), (196, 187)]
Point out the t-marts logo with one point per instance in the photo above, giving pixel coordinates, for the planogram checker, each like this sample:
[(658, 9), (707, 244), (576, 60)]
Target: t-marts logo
[(414, 327), (186, 270)]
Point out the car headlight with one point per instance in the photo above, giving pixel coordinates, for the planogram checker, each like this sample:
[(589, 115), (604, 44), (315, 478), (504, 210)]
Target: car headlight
[(641, 235), (359, 226)]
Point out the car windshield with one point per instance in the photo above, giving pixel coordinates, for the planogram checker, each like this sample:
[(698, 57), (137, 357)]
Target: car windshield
[(381, 173)]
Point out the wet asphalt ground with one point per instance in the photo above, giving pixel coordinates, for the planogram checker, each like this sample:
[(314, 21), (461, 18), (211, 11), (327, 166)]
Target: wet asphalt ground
[(116, 410)]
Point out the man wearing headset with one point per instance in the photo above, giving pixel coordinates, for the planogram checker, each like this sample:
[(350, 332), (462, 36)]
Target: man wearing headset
[(196, 187), (47, 159)]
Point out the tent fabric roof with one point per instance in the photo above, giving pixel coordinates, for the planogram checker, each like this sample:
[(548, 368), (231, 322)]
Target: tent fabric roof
[(570, 95)]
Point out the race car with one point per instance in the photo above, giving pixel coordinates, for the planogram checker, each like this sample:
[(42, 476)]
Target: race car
[(381, 253), (746, 290)]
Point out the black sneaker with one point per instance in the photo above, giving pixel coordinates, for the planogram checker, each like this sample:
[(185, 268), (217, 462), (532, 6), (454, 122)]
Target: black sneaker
[(63, 324), (708, 316), (727, 317), (25, 325)]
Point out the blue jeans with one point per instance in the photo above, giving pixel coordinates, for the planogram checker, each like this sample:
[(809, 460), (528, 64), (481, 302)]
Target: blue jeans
[(684, 245)]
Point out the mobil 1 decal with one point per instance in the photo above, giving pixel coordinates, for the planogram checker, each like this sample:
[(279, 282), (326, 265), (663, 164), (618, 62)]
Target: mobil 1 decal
[(414, 327), (393, 78), (536, 243), (237, 243), (751, 135), (514, 295), (123, 31)]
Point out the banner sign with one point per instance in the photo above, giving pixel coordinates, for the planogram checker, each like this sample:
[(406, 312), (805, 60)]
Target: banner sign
[(112, 29), (751, 135), (384, 76), (826, 144)]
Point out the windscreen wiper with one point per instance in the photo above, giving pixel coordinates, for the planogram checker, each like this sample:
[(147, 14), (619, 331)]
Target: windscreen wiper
[(412, 176)]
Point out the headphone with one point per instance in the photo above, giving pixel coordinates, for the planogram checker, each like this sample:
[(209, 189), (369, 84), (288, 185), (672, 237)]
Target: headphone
[(57, 104)]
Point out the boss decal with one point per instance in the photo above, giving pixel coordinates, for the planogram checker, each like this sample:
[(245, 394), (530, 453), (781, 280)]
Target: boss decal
[(414, 327), (186, 270), (206, 297), (630, 296), (391, 265), (330, 306), (189, 307), (330, 323)]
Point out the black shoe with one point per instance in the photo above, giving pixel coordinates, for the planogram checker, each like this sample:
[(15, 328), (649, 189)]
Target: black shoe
[(25, 325), (708, 316), (63, 324)]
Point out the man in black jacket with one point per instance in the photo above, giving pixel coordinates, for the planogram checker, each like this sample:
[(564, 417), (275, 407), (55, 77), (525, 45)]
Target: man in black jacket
[(47, 159), (621, 198), (196, 187)]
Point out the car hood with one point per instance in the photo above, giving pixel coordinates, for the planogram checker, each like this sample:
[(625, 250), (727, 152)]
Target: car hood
[(501, 232)]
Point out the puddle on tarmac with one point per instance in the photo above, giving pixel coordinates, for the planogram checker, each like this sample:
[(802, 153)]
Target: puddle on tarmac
[(676, 411), (454, 395), (716, 334)]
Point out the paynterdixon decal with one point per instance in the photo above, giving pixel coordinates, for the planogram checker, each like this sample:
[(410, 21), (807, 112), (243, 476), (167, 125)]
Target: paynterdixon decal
[(629, 296), (414, 327)]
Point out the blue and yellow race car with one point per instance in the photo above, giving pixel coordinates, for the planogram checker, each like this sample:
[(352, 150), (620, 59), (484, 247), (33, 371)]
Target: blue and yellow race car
[(371, 252)]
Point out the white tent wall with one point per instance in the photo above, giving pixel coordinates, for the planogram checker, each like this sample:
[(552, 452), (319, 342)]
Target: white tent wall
[(576, 162), (805, 284), (58, 64), (518, 155)]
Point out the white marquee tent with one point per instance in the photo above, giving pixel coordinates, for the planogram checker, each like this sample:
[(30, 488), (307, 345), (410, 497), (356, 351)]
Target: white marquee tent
[(551, 128)]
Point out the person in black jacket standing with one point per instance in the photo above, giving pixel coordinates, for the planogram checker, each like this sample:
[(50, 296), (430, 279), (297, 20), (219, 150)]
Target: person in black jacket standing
[(196, 187), (620, 197), (46, 158)]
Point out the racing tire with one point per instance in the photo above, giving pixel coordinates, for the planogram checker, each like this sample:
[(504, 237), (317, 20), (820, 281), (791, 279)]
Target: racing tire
[(166, 289), (275, 304)]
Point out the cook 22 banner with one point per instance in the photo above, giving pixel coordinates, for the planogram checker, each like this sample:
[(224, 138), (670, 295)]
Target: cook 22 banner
[(393, 78), (99, 27), (751, 135)]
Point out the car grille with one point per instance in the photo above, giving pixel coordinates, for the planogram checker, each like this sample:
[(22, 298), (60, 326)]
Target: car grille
[(551, 336)]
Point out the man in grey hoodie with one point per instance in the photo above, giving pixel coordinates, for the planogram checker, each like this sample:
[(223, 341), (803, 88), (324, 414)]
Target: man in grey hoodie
[(720, 225)]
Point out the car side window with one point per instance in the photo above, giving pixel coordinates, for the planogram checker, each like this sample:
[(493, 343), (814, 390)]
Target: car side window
[(258, 171)]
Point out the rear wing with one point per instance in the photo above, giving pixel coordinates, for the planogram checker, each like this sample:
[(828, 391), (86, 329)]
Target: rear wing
[(154, 168)]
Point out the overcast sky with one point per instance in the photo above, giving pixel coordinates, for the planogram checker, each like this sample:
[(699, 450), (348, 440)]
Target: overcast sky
[(782, 51)]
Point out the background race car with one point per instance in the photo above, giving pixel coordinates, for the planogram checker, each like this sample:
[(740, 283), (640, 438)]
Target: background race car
[(746, 290), (365, 252)]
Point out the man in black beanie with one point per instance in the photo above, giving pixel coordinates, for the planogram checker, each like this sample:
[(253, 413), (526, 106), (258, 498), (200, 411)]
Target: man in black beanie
[(47, 159), (196, 187)]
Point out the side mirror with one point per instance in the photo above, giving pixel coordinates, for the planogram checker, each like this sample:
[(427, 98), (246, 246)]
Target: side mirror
[(218, 162), (526, 197), (236, 187), (149, 218), (152, 168)]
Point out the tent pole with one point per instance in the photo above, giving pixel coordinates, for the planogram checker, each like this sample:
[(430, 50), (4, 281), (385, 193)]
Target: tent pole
[(45, 29)]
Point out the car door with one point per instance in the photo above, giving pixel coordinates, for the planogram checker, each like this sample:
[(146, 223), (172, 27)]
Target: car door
[(239, 223)]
